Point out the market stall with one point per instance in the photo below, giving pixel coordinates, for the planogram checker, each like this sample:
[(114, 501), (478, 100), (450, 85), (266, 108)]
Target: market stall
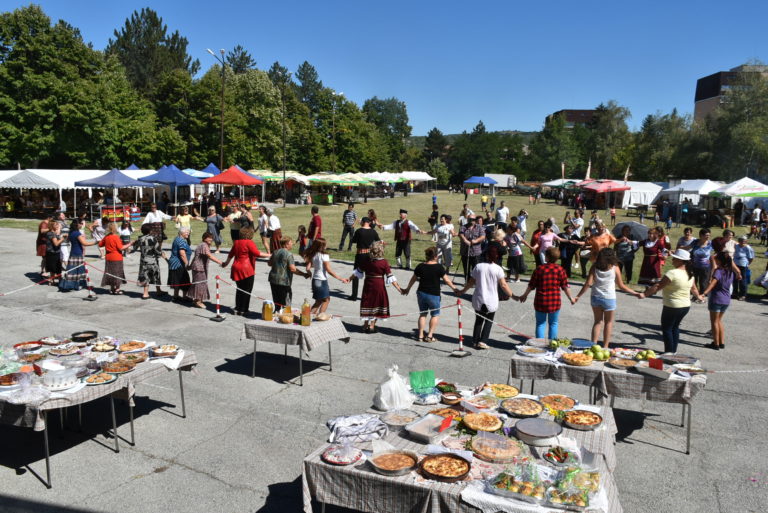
[(114, 180), (639, 194), (487, 448), (306, 337), (173, 177), (37, 377)]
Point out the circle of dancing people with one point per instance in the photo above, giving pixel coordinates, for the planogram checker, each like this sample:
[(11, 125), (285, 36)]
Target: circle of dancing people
[(701, 267)]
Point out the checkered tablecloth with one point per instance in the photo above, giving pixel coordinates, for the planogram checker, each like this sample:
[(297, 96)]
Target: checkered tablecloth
[(360, 488), (308, 337), (31, 415), (609, 381)]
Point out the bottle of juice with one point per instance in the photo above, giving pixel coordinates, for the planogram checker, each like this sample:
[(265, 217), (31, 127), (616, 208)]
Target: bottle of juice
[(306, 313), (267, 309)]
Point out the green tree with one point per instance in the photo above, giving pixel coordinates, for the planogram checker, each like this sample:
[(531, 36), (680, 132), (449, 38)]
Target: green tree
[(658, 146), (310, 88), (390, 116), (147, 51), (551, 147), (240, 60), (435, 145), (439, 171), (609, 137)]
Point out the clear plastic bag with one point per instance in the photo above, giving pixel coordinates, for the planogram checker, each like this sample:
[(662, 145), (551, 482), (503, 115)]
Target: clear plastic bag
[(393, 394)]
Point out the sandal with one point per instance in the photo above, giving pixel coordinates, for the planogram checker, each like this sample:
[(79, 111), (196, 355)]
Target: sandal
[(419, 339), (430, 339)]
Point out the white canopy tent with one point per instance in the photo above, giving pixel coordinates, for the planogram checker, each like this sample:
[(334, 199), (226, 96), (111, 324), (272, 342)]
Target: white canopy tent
[(640, 193), (559, 182), (692, 190), (416, 176)]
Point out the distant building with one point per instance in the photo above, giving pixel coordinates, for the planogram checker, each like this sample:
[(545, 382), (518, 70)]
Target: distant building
[(710, 91), (573, 117)]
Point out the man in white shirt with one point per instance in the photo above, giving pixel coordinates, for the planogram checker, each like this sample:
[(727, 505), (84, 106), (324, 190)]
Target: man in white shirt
[(155, 215), (502, 214), (404, 229), (578, 222), (487, 278), (445, 232)]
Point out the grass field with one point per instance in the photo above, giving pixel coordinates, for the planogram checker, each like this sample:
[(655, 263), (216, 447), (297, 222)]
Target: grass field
[(419, 207)]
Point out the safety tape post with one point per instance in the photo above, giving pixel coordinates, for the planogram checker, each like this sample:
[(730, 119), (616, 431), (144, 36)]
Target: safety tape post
[(461, 334), (91, 295), (218, 317)]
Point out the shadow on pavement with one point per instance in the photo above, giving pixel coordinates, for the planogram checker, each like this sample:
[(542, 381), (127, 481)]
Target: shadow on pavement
[(284, 497), (17, 505), (272, 366)]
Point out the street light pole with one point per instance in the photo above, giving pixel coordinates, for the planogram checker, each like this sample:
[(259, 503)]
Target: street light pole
[(223, 82), (283, 82)]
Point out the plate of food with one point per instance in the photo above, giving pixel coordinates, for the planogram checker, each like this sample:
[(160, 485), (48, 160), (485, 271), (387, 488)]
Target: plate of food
[(64, 350), (32, 357), (165, 351), (399, 418), (103, 347), (522, 407), (482, 422), (503, 391), (341, 455), (51, 341), (623, 352), (534, 352), (558, 402), (577, 359), (132, 358), (447, 412), (483, 401), (101, 378), (444, 387), (690, 369), (560, 457), (497, 449), (116, 367), (133, 345), (582, 420), (395, 462), (28, 347), (446, 467), (621, 363), (8, 381)]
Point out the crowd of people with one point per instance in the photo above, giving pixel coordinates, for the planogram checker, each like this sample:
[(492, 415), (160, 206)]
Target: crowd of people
[(491, 254)]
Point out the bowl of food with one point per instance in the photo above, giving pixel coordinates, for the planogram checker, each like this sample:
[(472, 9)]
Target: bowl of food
[(84, 336), (165, 351), (561, 457), (394, 462), (451, 398)]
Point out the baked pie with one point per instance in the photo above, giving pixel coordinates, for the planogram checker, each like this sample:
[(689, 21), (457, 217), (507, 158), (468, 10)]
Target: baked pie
[(447, 466), (521, 407), (583, 418), (394, 461), (558, 402), (503, 391), (482, 422), (496, 450), (133, 345), (578, 359)]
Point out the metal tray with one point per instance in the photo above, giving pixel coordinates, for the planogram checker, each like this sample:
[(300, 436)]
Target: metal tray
[(538, 432), (435, 477), (679, 358), (399, 472), (580, 427), (580, 343)]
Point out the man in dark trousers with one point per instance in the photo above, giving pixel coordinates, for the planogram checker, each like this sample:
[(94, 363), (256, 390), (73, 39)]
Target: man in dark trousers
[(315, 226), (404, 229), (348, 222), (363, 238)]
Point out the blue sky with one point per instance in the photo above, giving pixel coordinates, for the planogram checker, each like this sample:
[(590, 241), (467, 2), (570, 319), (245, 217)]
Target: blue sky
[(454, 63)]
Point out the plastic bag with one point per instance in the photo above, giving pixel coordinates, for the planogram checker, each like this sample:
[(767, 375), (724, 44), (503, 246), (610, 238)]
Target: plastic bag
[(393, 394), (356, 428)]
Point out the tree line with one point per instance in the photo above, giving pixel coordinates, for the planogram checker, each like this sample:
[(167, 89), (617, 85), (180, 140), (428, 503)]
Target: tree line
[(142, 99)]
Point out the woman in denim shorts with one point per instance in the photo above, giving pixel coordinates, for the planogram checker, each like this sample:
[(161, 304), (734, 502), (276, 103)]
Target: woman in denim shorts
[(719, 291), (429, 275), (604, 277)]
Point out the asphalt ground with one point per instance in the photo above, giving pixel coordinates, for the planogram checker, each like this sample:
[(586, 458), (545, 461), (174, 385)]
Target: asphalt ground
[(242, 444)]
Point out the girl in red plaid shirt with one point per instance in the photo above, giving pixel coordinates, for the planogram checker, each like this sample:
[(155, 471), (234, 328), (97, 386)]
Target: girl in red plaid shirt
[(548, 279)]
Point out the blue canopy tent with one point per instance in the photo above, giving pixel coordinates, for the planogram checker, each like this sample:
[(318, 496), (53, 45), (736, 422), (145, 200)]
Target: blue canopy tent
[(171, 176), (132, 167), (196, 174), (481, 180), (212, 169), (113, 179)]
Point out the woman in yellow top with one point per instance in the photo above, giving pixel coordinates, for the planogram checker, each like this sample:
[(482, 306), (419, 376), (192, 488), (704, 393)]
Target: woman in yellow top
[(677, 285), (184, 220)]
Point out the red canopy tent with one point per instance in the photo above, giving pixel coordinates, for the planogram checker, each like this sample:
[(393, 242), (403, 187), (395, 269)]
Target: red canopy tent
[(233, 176), (603, 186), (584, 182)]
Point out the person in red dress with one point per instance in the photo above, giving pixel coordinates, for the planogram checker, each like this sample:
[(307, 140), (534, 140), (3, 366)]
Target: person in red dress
[(654, 249), (244, 252), (374, 303)]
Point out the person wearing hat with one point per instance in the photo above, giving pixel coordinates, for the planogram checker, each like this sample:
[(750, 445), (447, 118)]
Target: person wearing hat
[(363, 238), (404, 229), (743, 255), (677, 285)]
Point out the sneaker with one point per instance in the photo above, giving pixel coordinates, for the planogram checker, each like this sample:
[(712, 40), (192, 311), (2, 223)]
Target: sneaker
[(517, 280), (481, 345)]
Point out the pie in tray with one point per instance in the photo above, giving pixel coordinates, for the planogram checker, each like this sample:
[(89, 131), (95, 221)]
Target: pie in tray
[(483, 401), (133, 345), (522, 406), (101, 377), (503, 391), (446, 412), (496, 450), (583, 418), (558, 402), (394, 461), (445, 465), (578, 359), (482, 422)]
